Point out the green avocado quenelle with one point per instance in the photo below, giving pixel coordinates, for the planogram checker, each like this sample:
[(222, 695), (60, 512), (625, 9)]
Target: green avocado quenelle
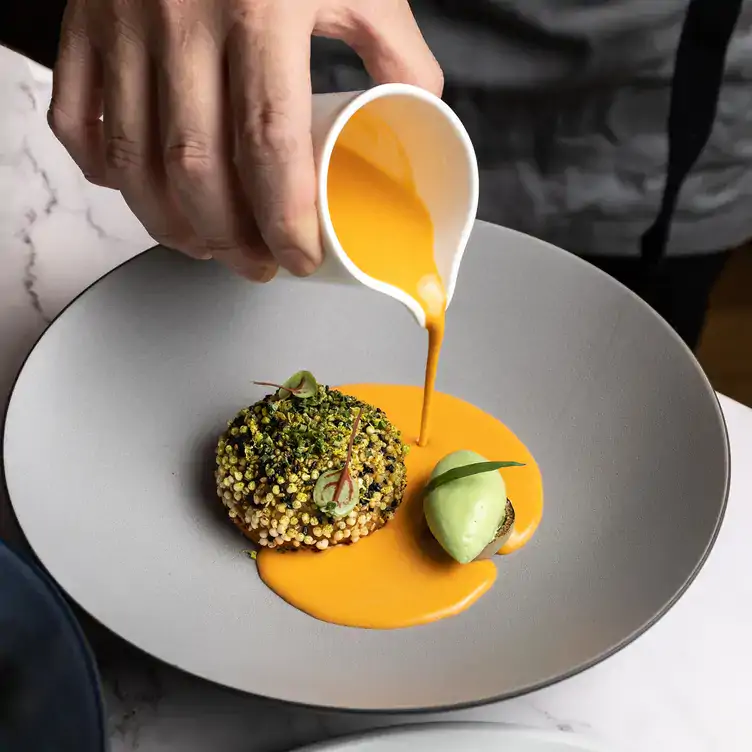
[(466, 514)]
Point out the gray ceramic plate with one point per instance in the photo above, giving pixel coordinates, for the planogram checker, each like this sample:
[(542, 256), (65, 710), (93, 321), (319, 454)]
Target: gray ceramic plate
[(113, 419)]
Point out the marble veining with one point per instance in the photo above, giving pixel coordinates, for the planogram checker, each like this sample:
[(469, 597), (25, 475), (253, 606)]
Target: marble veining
[(685, 685)]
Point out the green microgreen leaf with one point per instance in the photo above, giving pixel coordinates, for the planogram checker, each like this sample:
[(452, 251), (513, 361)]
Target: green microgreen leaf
[(465, 471), (301, 385)]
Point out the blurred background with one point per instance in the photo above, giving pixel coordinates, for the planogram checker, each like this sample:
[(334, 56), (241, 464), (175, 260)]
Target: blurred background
[(726, 347)]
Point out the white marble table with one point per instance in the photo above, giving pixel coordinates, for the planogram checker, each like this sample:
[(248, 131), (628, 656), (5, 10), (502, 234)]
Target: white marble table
[(686, 685)]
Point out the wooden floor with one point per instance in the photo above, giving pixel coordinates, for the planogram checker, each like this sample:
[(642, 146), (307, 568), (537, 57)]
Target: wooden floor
[(726, 348)]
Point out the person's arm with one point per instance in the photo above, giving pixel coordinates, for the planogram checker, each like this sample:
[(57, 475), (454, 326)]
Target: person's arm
[(32, 27)]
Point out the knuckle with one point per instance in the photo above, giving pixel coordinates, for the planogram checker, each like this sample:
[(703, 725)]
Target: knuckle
[(124, 155), (74, 135), (60, 122), (248, 15), (270, 136), (190, 157), (179, 19), (122, 8), (74, 34), (172, 9), (126, 28), (435, 80)]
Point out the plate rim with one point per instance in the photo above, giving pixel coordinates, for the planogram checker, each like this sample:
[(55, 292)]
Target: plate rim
[(411, 710), (572, 740)]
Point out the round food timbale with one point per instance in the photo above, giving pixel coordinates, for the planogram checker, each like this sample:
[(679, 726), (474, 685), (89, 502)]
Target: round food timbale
[(273, 453)]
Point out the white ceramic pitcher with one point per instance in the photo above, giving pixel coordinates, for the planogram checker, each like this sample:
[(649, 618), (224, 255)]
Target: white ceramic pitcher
[(444, 171)]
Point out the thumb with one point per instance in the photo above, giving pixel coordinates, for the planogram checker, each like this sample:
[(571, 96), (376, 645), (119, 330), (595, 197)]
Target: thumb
[(388, 40)]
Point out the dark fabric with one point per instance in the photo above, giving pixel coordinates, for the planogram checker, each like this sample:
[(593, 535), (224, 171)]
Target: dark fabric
[(695, 91), (681, 287), (49, 687), (567, 101), (32, 27)]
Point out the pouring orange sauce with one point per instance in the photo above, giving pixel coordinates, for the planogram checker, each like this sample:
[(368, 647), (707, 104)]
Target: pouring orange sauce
[(387, 232), (400, 577)]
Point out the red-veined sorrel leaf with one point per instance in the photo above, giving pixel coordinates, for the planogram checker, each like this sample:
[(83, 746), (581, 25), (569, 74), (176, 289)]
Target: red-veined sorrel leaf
[(336, 491)]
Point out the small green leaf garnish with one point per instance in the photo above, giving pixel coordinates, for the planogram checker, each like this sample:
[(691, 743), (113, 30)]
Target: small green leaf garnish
[(336, 492), (250, 554), (465, 471), (301, 385)]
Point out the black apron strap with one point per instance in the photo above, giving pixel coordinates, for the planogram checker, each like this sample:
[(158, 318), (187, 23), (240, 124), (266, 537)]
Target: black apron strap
[(696, 86)]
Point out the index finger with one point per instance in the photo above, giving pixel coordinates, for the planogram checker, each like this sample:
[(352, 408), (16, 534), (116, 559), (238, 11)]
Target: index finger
[(269, 67), (76, 103)]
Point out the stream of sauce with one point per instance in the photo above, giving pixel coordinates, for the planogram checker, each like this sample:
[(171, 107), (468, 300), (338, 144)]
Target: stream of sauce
[(399, 576), (387, 232)]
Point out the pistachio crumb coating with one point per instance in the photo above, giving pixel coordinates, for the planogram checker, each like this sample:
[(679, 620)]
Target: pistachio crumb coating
[(273, 452)]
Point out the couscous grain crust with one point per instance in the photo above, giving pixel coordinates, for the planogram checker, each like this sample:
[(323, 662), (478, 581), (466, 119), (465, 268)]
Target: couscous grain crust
[(272, 453)]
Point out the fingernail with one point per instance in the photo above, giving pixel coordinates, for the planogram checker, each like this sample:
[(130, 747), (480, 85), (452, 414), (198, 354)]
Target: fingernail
[(306, 256), (294, 260), (256, 273), (199, 255), (96, 179), (267, 274), (192, 250)]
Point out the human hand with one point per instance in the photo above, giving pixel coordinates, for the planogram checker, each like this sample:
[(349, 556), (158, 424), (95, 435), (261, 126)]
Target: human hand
[(206, 110)]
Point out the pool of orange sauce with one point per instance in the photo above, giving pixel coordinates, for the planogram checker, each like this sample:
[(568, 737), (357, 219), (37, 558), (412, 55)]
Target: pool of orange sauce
[(399, 576)]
